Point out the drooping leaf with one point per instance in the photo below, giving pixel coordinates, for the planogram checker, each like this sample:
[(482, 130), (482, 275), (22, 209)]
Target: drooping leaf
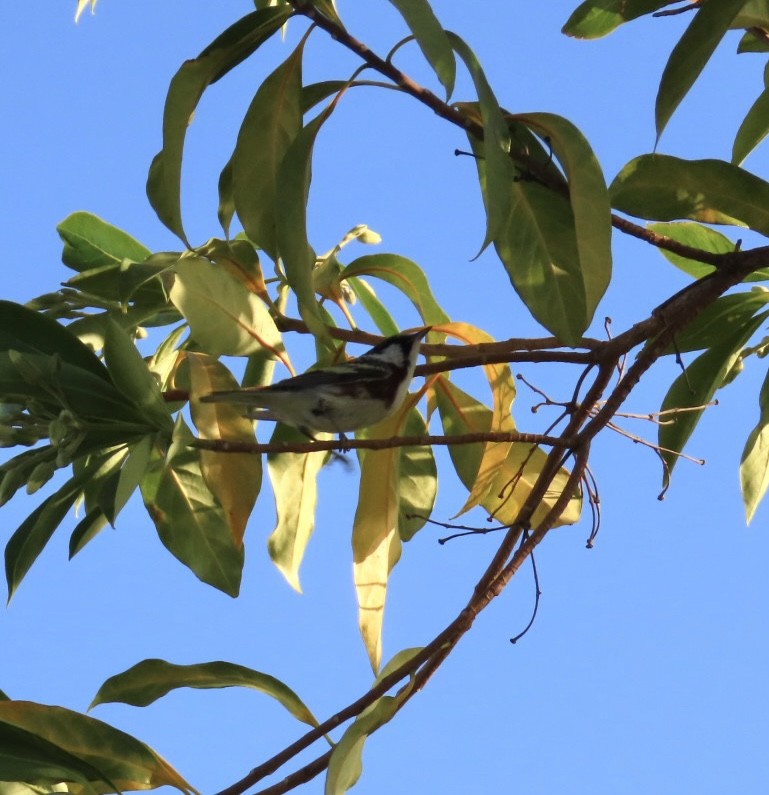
[(754, 465), (293, 189), (117, 758), (695, 387), (150, 680), (234, 478), (753, 130), (710, 23), (32, 535), (727, 312), (431, 38), (665, 188), (595, 18), (189, 521), (462, 414), (699, 237), (406, 276), (86, 529), (294, 484), (375, 308), (589, 203), (90, 242), (418, 482), (224, 317), (271, 123), (187, 86), (495, 168)]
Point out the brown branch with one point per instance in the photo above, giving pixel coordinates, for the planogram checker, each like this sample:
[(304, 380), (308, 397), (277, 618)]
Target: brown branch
[(320, 445)]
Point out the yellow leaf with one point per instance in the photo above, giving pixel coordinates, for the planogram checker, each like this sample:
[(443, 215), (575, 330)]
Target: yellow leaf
[(233, 478)]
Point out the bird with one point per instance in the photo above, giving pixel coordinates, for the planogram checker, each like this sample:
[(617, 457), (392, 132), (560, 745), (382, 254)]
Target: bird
[(339, 398)]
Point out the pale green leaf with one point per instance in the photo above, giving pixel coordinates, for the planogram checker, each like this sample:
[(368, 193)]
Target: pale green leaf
[(697, 236), (90, 242), (753, 129), (754, 465), (224, 317), (184, 93)]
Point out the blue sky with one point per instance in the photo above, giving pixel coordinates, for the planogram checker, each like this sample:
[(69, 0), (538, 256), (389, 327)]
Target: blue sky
[(646, 668)]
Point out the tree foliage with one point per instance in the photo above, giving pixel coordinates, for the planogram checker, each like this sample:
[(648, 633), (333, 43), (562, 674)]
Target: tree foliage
[(78, 394)]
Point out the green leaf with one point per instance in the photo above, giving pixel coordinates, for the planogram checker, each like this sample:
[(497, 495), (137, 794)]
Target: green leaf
[(418, 482), (294, 483), (225, 318), (272, 122), (688, 58), (86, 529), (235, 479), (728, 312), (377, 311), (754, 465), (753, 129), (133, 378), (695, 387), (103, 753), (595, 18), (293, 186), (696, 236), (403, 274), (189, 521), (495, 168), (314, 93), (589, 203), (187, 86), (25, 330), (90, 242), (431, 38), (346, 762), (753, 14), (30, 538), (665, 188), (150, 680)]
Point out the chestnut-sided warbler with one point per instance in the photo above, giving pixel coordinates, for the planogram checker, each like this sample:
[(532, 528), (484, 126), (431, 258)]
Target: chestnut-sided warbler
[(339, 398)]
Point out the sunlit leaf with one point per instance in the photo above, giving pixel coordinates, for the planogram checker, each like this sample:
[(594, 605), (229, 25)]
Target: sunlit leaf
[(699, 237), (589, 203), (665, 188), (294, 484), (418, 482), (150, 680), (234, 478), (695, 387), (403, 274), (189, 521), (90, 242), (431, 38), (224, 317), (124, 761), (754, 465), (595, 18), (184, 93)]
